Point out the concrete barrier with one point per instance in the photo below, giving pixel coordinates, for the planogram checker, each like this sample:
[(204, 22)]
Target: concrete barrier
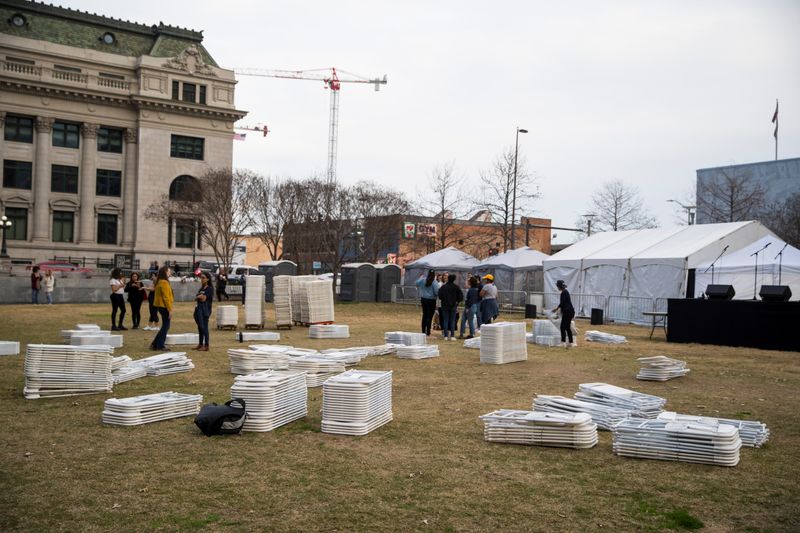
[(74, 288)]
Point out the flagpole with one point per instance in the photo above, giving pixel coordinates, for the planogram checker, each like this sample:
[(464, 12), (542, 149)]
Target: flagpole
[(775, 120)]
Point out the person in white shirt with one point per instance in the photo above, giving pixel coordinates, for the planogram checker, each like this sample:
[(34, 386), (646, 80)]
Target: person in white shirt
[(489, 307), (49, 285), (117, 284)]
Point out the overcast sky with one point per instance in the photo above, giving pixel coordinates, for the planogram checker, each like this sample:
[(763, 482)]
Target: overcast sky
[(642, 91)]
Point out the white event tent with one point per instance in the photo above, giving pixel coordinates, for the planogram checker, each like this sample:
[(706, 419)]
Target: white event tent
[(649, 263), (738, 269), (515, 270), (448, 259)]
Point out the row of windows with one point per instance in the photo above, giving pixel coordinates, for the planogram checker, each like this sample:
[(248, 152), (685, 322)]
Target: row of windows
[(65, 134), (63, 178), (63, 226), (189, 92)]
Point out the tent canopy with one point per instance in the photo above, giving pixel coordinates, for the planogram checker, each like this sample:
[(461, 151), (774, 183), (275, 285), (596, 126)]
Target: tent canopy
[(515, 270), (738, 269), (649, 263), (448, 259), (524, 258)]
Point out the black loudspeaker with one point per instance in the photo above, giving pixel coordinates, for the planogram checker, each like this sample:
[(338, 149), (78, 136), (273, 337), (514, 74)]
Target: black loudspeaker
[(775, 293), (720, 292), (530, 311), (597, 317)]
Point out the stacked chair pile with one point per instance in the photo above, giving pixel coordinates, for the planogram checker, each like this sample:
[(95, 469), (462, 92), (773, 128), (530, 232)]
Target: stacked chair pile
[(405, 338), (356, 402), (604, 338), (639, 405), (317, 367), (319, 306), (227, 315), (420, 351), (164, 364), (708, 443), (753, 434), (251, 361), (661, 368), (182, 338), (473, 343), (328, 331), (545, 333), (9, 347), (139, 410), (95, 338), (533, 428), (604, 416), (299, 294), (53, 370), (503, 342), (282, 299), (350, 356), (254, 302), (249, 336), (272, 398), (121, 370)]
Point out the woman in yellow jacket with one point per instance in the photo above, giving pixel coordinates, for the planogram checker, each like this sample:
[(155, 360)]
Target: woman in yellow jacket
[(163, 300)]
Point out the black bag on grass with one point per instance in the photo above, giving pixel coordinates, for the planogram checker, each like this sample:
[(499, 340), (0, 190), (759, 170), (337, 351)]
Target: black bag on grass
[(225, 419)]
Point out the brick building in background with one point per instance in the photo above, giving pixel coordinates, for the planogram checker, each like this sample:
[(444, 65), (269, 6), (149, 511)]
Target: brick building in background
[(101, 118)]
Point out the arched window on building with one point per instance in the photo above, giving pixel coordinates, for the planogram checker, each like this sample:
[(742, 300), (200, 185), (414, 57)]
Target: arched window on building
[(184, 188)]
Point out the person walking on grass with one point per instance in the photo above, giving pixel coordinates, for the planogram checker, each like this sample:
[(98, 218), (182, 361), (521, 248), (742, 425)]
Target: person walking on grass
[(117, 284), (567, 314), (162, 300), (450, 295), (222, 285), (202, 310), (136, 295), (470, 308), (488, 294), (152, 322), (428, 289), (49, 285), (36, 284)]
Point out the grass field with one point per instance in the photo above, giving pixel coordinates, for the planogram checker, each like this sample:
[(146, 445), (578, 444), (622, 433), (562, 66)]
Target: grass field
[(62, 469)]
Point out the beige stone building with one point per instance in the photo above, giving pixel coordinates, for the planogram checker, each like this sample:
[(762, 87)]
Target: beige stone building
[(101, 118)]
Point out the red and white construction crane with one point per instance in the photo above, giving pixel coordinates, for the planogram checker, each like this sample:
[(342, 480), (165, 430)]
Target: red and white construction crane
[(332, 80)]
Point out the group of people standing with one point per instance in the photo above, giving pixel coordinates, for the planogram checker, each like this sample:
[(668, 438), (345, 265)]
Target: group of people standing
[(480, 303), (160, 298), (42, 282)]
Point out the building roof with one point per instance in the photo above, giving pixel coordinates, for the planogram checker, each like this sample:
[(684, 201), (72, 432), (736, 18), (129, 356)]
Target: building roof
[(70, 27)]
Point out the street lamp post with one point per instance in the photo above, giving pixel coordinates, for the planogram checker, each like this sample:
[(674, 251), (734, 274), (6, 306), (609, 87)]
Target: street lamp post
[(514, 196), (589, 218), (690, 211), (5, 225)]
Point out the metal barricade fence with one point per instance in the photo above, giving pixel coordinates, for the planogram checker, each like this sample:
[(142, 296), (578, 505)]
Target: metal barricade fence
[(583, 303), (661, 305), (512, 300), (405, 294), (629, 309)]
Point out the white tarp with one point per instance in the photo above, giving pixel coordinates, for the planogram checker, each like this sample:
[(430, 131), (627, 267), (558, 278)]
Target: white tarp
[(512, 269), (738, 269), (448, 259)]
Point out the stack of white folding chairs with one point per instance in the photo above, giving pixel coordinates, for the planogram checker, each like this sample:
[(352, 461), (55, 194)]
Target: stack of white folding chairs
[(254, 302), (227, 315), (121, 370), (251, 361), (753, 433), (503, 342), (356, 402), (604, 338), (139, 410), (534, 428), (164, 364), (9, 347), (248, 336), (174, 339), (661, 368), (317, 367), (272, 398), (328, 331), (282, 300), (605, 416), (89, 338), (419, 351), (639, 404), (545, 333), (53, 370), (473, 343), (299, 295), (405, 337), (319, 297)]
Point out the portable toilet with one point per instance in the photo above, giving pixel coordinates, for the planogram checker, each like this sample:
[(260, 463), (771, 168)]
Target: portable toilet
[(271, 269), (358, 282), (387, 275)]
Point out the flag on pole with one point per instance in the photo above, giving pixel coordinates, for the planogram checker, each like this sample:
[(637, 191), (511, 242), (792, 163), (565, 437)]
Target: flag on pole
[(775, 120), (239, 136)]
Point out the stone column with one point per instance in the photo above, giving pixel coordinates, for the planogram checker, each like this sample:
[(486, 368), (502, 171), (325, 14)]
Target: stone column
[(2, 132), (41, 180), (88, 182), (129, 180)]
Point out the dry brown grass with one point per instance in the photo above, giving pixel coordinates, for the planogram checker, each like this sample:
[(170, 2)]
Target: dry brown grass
[(428, 469)]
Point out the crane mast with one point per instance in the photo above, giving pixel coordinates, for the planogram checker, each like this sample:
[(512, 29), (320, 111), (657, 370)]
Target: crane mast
[(333, 81)]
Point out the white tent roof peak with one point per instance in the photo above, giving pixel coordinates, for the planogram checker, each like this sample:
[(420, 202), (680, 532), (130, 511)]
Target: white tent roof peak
[(449, 258), (524, 257)]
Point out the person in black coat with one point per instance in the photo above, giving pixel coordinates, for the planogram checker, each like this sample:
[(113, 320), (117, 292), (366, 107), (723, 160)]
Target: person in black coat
[(450, 295), (202, 310), (136, 295), (567, 313)]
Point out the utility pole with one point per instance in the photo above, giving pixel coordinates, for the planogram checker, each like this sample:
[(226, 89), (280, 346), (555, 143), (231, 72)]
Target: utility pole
[(514, 198)]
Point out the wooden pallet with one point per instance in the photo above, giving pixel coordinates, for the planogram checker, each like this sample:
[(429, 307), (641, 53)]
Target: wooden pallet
[(229, 327), (283, 326), (307, 324), (254, 326)]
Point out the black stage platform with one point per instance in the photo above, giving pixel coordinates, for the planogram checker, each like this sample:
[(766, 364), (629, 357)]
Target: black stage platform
[(750, 323)]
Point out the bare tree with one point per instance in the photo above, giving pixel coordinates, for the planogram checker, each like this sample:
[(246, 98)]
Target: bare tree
[(784, 219), (276, 204), (618, 207), (219, 204), (498, 192), (443, 202), (731, 196), (378, 212)]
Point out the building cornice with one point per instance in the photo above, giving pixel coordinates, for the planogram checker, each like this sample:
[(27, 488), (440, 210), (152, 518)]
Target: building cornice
[(176, 106)]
